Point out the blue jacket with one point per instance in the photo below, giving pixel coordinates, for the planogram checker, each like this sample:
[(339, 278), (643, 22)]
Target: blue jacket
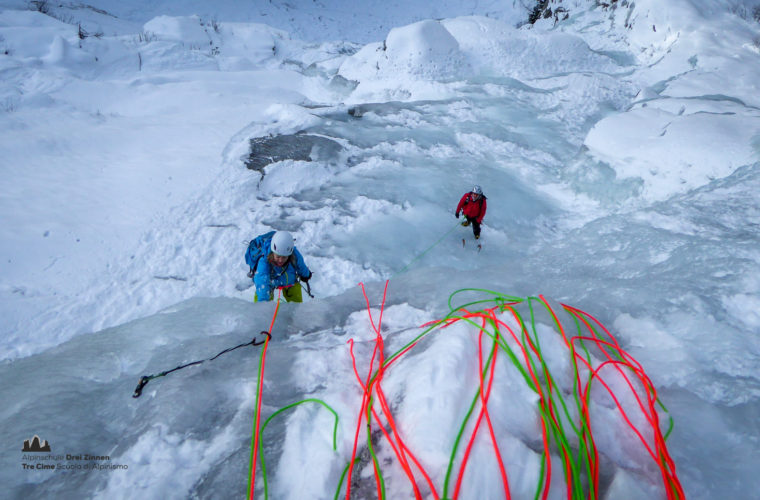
[(269, 276)]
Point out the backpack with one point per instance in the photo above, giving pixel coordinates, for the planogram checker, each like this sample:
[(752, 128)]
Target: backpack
[(257, 248)]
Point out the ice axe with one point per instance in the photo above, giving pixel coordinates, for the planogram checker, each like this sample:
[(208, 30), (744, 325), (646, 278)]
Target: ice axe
[(308, 287)]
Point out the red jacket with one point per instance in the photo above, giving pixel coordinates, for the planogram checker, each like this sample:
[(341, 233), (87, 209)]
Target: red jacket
[(474, 209)]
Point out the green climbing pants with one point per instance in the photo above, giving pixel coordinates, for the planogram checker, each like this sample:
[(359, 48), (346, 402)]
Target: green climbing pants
[(291, 294)]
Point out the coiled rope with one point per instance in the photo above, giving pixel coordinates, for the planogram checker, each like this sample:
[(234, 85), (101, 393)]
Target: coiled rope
[(562, 421)]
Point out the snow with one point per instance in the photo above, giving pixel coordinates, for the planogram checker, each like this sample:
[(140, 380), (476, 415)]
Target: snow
[(620, 153), (673, 151)]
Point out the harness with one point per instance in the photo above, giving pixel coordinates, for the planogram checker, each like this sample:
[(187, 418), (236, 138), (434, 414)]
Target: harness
[(291, 261)]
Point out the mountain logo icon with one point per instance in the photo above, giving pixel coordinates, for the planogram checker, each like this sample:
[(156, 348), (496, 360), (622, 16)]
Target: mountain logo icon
[(36, 444)]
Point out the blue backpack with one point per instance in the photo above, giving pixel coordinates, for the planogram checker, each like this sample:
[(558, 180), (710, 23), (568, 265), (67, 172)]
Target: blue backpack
[(257, 248)]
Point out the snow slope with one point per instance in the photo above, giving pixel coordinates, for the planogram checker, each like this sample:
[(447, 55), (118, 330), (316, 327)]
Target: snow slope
[(621, 168)]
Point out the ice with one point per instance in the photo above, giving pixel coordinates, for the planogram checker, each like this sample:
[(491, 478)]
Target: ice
[(178, 29), (619, 153), (675, 152)]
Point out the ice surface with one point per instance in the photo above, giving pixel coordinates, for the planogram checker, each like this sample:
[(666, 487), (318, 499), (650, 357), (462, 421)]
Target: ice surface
[(619, 150)]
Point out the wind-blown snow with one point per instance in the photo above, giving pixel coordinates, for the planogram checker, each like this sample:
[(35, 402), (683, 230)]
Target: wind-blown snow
[(619, 150)]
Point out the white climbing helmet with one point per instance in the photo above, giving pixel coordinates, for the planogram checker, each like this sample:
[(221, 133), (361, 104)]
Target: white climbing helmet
[(282, 243), (477, 190)]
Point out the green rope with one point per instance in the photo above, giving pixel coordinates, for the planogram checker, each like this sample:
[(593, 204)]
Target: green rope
[(556, 419), (418, 257), (375, 461), (465, 420), (343, 477), (558, 431), (281, 410)]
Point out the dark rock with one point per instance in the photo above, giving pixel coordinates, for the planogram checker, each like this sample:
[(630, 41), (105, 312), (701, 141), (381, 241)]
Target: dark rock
[(339, 83), (299, 146)]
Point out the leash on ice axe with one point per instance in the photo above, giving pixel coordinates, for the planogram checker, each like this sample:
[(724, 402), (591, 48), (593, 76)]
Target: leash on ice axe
[(147, 378), (308, 286)]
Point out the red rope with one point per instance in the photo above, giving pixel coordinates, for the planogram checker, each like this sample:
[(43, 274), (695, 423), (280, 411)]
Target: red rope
[(484, 396), (484, 402), (366, 394), (531, 355), (373, 385), (542, 397), (252, 479), (668, 468), (358, 426), (592, 455)]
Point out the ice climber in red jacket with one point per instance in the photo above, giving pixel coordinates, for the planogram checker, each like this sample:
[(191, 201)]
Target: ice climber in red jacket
[(473, 206)]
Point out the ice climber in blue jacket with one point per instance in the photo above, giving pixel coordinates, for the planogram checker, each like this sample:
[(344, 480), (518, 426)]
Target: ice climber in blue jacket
[(281, 268)]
